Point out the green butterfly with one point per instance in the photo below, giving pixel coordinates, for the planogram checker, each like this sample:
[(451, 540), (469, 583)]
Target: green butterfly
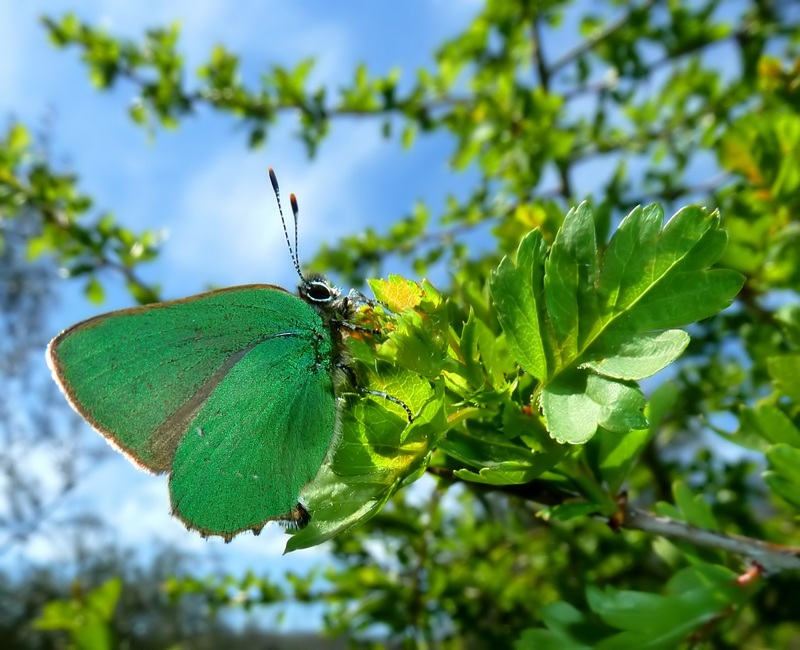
[(233, 392)]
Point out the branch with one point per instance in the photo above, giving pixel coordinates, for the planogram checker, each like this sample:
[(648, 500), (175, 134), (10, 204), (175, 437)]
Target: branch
[(589, 43), (772, 557)]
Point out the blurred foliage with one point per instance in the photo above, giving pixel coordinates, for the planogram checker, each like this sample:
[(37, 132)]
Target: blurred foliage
[(528, 361), (44, 209)]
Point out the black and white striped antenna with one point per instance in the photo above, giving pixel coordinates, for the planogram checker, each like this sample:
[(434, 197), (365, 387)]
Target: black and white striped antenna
[(293, 202)]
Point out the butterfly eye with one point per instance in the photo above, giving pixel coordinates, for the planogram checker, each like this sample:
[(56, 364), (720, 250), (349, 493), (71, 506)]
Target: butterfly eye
[(319, 291)]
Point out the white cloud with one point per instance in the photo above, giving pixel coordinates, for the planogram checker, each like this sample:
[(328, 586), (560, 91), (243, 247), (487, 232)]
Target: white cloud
[(256, 30), (228, 229)]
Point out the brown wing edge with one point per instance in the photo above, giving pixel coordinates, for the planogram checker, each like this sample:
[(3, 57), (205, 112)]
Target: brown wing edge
[(295, 519)]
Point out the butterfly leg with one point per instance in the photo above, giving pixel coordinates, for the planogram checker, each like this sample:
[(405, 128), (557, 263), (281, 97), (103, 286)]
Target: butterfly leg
[(357, 328), (347, 370), (297, 518)]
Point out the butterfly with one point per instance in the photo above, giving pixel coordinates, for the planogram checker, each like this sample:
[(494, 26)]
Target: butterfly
[(234, 393)]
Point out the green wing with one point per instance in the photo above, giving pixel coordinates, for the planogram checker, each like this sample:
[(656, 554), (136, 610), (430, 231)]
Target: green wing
[(235, 369), (259, 438)]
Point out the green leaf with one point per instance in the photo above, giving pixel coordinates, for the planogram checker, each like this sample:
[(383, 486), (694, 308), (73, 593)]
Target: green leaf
[(771, 424), (501, 461), (570, 278), (419, 340), (576, 404), (696, 596), (652, 283), (86, 618), (567, 511), (605, 316), (616, 455), (694, 507), (538, 639), (378, 451), (624, 355), (783, 476), (511, 472), (516, 291), (567, 623), (785, 370), (94, 291)]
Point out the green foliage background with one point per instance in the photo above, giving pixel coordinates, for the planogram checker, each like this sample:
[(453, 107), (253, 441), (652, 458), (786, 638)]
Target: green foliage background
[(523, 371)]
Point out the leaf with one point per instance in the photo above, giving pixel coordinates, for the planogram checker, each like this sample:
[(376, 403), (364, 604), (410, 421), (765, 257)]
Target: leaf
[(785, 370), (625, 355), (770, 424), (599, 324), (694, 507), (567, 628), (567, 623), (653, 283), (379, 449), (569, 281), (516, 291), (86, 618), (616, 454), (94, 291), (511, 472), (567, 511), (419, 340), (539, 639), (575, 405), (696, 596), (501, 461), (783, 476)]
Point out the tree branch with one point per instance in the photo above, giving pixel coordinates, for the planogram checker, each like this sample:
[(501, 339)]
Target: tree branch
[(600, 36), (772, 557)]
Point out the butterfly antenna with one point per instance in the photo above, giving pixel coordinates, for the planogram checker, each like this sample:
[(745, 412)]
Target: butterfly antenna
[(295, 211), (292, 252)]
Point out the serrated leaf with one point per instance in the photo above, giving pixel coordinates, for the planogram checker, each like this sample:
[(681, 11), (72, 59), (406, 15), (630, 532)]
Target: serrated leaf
[(500, 461), (516, 290), (419, 338), (569, 281), (654, 281), (512, 472), (606, 317)]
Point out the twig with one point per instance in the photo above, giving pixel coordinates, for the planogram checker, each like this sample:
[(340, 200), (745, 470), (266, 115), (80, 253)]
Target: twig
[(772, 557), (589, 43)]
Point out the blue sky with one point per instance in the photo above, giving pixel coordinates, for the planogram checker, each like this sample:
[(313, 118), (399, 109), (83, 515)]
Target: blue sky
[(209, 194)]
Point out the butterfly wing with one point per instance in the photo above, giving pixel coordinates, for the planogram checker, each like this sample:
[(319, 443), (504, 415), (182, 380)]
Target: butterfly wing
[(153, 379), (259, 438)]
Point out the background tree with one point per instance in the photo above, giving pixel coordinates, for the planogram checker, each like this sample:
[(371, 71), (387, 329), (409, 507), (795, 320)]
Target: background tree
[(519, 538)]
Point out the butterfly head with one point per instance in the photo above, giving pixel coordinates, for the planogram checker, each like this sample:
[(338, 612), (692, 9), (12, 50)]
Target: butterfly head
[(316, 290)]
